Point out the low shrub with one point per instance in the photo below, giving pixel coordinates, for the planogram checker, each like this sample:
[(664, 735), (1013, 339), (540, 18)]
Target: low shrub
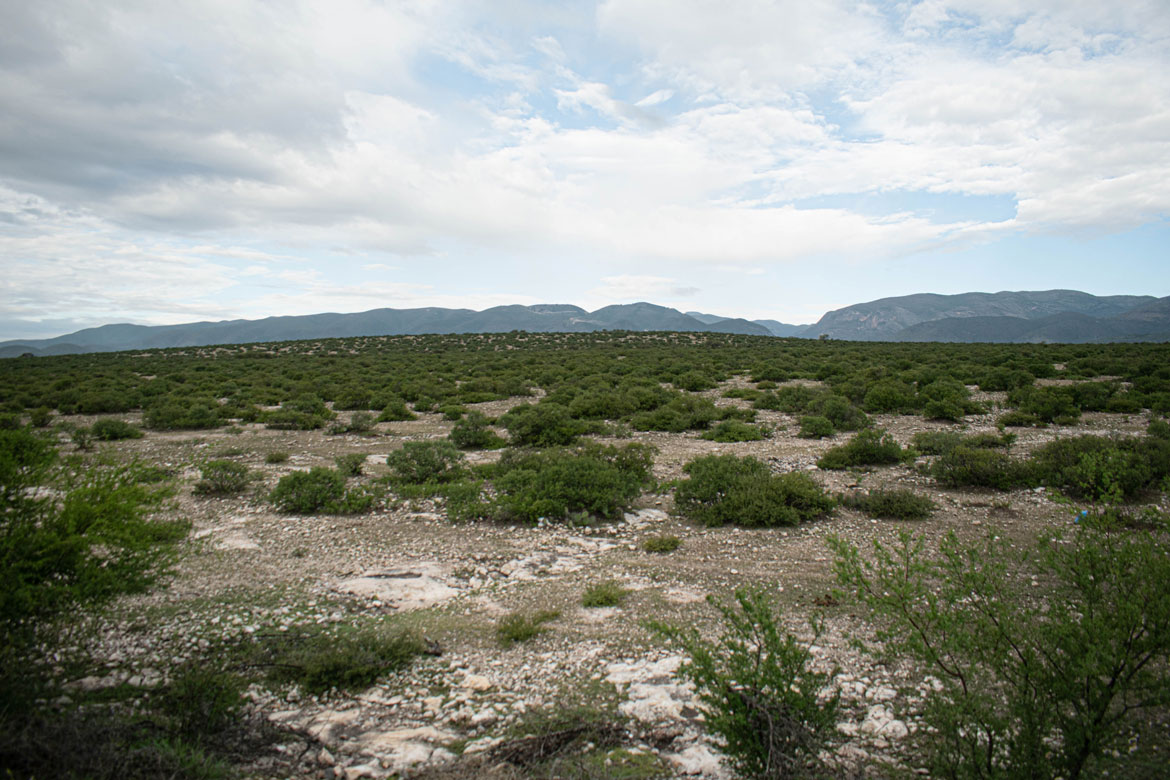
[(873, 447), (813, 427), (730, 431), (662, 543), (759, 690), (1047, 404), (682, 413), (889, 396), (894, 504), (40, 417), (594, 480), (1102, 469), (604, 594), (840, 412), (941, 442), (346, 660), (175, 414), (395, 411), (310, 491), (350, 464), (521, 626), (472, 433), (276, 456), (722, 489), (419, 462), (359, 422), (1018, 419), (541, 425), (222, 478), (975, 467)]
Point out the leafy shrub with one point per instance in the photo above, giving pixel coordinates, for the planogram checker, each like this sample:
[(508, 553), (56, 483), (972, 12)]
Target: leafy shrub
[(594, 480), (425, 461), (947, 399), (309, 491), (895, 504), (472, 433), (1102, 469), (1048, 404), (350, 464), (604, 594), (722, 489), (733, 431), (109, 429), (873, 447), (681, 413), (759, 690), (1003, 378), (202, 701), (395, 411), (222, 478), (541, 425), (359, 422), (813, 427), (794, 399), (520, 627), (1158, 429), (941, 442), (1018, 419), (320, 662), (662, 543), (977, 467), (840, 412), (888, 396), (175, 414), (276, 456), (1027, 686), (40, 417)]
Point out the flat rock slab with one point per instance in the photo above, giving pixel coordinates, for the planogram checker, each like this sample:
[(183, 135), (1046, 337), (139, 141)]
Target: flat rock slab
[(406, 588)]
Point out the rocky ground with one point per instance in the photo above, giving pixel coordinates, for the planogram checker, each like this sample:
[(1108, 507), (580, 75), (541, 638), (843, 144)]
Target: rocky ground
[(248, 570)]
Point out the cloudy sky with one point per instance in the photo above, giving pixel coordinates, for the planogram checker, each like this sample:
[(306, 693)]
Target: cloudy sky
[(215, 159)]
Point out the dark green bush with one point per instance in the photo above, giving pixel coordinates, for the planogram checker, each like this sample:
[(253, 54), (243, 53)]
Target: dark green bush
[(174, 414), (426, 461), (722, 489), (40, 417), (472, 433), (350, 464), (1158, 429), (813, 427), (759, 690), (893, 504), (681, 413), (794, 399), (873, 447), (394, 410), (310, 491), (276, 456), (541, 425), (1102, 469), (593, 480), (359, 422), (977, 467), (349, 660), (733, 431), (889, 396), (109, 429), (1017, 419), (1048, 404), (222, 478), (840, 412), (941, 442)]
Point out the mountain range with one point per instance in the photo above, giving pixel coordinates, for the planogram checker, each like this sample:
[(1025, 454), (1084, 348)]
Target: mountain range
[(1015, 317)]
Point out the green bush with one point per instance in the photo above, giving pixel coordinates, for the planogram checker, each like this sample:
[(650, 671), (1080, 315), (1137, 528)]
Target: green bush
[(426, 461), (759, 690), (40, 417), (202, 702), (520, 627), (662, 543), (813, 427), (175, 414), (395, 410), (1158, 429), (594, 480), (840, 412), (1029, 683), (1047, 404), (734, 431), (941, 442), (349, 660), (722, 489), (1102, 469), (682, 413), (276, 456), (1017, 419), (304, 492), (222, 478), (350, 464), (977, 467), (604, 594), (359, 422), (873, 447), (472, 433), (889, 396), (894, 504), (541, 425)]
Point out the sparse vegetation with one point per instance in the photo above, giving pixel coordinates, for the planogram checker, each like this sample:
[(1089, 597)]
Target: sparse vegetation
[(521, 626), (871, 447), (604, 594), (896, 504), (222, 478), (661, 543), (723, 489)]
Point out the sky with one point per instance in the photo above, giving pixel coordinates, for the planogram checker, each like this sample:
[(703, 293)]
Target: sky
[(220, 159)]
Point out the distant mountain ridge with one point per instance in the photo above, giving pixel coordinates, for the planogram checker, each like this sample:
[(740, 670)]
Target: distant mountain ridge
[(1014, 317), (546, 318)]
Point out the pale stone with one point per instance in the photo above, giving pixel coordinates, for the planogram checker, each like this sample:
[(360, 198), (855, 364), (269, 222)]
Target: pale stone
[(698, 760), (419, 586), (476, 682)]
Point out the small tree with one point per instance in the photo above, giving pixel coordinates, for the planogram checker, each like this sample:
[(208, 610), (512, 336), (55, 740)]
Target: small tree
[(1031, 686), (758, 689)]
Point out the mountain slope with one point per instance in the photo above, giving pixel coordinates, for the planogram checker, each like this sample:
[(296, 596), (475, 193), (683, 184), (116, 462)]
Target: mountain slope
[(885, 318)]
